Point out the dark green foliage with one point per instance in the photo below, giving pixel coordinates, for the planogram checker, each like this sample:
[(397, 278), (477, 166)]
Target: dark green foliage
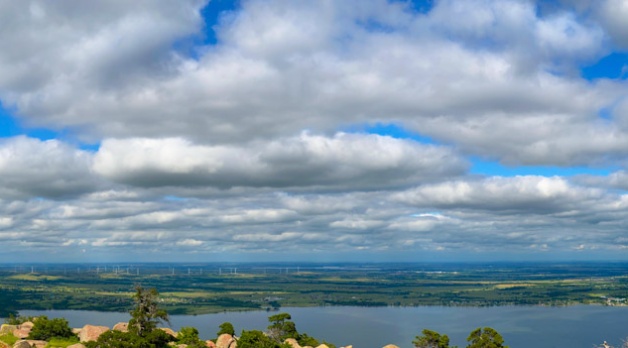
[(226, 328), (281, 327), (305, 340), (146, 314), (189, 335), (257, 339), (46, 329), (119, 339), (485, 338), (431, 339)]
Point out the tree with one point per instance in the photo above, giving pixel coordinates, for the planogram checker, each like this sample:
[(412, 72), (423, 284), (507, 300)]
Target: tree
[(257, 339), (226, 328), (431, 339), (189, 336), (146, 315), (45, 329), (281, 327), (485, 338)]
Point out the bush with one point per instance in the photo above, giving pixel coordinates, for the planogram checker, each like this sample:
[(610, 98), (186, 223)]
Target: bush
[(9, 339), (45, 329)]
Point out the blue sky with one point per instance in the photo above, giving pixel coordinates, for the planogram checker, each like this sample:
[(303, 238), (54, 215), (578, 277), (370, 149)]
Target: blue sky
[(268, 129)]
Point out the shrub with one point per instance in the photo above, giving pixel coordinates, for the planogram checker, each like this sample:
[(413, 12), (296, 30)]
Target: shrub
[(45, 329)]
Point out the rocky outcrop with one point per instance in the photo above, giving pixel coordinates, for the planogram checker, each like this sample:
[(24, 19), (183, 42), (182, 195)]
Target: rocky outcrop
[(37, 344), (28, 325), (169, 331), (7, 329), (322, 346), (22, 344), (390, 346), (292, 342), (91, 332), (226, 341), (124, 327), (210, 344)]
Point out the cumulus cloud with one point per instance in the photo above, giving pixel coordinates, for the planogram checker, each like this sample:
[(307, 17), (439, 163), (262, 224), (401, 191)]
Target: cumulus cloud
[(344, 160), (250, 141), (533, 194), (51, 169)]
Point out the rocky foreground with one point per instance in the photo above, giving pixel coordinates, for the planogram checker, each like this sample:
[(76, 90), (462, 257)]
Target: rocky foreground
[(91, 333)]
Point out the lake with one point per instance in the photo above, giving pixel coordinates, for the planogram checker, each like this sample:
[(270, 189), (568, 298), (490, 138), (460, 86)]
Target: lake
[(373, 327)]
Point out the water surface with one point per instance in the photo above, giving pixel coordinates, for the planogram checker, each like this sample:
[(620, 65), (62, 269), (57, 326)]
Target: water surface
[(373, 327)]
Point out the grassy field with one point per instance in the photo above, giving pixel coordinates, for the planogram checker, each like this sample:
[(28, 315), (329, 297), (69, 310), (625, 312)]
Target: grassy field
[(206, 288)]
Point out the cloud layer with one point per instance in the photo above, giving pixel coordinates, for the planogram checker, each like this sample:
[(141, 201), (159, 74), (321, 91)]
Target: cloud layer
[(264, 140)]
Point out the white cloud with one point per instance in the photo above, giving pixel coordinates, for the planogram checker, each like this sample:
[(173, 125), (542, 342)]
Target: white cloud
[(51, 169), (345, 160), (246, 143)]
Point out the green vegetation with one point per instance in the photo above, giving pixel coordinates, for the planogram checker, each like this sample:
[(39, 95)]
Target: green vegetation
[(9, 339), (209, 288), (485, 338), (431, 339), (143, 331), (189, 336), (57, 342), (146, 314), (45, 329), (226, 328)]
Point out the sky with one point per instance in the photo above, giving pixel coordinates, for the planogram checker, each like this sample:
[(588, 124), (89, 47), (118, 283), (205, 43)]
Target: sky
[(299, 130)]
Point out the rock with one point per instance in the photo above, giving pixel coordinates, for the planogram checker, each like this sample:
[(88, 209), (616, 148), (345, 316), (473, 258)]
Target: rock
[(124, 327), (27, 325), (76, 331), (322, 346), (21, 333), (22, 344), (224, 341), (77, 345), (6, 329), (37, 344), (210, 344), (292, 342), (181, 345), (390, 346), (169, 331), (345, 347), (91, 332)]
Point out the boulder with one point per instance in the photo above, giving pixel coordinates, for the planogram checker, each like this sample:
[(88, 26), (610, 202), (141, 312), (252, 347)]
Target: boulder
[(210, 344), (169, 331), (21, 333), (37, 344), (91, 332), (390, 346), (22, 344), (6, 329), (322, 346), (224, 341), (124, 327), (292, 342), (77, 345), (27, 325), (76, 331)]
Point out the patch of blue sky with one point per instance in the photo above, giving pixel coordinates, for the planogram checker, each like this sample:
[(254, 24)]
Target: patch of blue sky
[(613, 66), (420, 6), (10, 126), (392, 130), (493, 168), (195, 45)]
